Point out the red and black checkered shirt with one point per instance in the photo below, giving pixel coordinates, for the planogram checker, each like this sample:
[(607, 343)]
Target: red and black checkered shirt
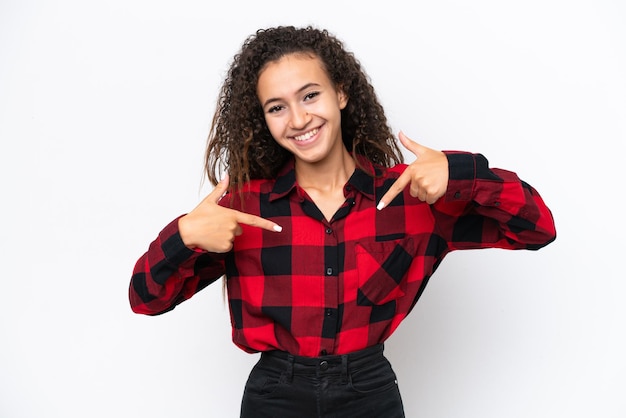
[(334, 287)]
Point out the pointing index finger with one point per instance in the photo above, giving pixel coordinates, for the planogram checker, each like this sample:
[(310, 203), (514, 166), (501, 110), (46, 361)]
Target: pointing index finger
[(257, 221), (395, 189), (405, 178)]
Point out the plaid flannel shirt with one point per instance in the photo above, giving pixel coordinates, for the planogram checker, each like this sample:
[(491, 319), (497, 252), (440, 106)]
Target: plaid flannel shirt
[(333, 287)]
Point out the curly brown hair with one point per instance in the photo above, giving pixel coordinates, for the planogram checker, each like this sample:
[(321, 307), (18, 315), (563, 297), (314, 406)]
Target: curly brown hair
[(240, 141)]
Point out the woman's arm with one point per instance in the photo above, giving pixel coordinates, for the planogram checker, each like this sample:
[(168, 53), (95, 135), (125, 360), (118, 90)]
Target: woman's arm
[(491, 208), (474, 206), (170, 273)]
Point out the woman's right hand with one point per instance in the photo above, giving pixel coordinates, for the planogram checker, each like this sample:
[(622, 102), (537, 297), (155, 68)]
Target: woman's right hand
[(213, 228)]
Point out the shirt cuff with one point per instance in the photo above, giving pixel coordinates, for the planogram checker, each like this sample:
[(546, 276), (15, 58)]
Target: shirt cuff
[(172, 245), (461, 176)]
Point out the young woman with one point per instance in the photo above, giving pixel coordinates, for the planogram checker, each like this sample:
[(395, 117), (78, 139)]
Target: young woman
[(325, 237)]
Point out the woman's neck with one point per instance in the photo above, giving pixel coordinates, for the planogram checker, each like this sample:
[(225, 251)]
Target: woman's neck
[(324, 181), (330, 174)]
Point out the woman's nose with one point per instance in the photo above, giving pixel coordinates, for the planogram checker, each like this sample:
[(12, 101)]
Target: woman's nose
[(299, 118)]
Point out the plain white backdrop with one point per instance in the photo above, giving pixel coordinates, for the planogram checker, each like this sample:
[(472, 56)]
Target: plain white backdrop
[(104, 112)]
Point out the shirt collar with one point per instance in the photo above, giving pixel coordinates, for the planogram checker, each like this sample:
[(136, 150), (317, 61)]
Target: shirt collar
[(360, 179)]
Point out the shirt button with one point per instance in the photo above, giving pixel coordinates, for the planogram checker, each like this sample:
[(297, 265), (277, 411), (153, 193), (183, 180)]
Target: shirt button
[(323, 353), (324, 365), (457, 195), (329, 231), (329, 312), (329, 271)]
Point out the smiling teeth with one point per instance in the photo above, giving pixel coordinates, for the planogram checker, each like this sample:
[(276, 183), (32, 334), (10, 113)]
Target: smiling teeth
[(306, 135)]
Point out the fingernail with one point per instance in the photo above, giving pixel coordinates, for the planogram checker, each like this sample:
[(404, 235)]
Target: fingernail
[(277, 228), (381, 205)]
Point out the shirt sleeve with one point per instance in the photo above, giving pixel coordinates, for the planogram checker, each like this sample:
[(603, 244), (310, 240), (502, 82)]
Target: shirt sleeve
[(170, 273), (490, 208)]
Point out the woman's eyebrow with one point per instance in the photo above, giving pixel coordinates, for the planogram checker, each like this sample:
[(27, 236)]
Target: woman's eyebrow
[(301, 89)]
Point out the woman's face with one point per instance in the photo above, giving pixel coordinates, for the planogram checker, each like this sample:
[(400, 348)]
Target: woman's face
[(302, 107)]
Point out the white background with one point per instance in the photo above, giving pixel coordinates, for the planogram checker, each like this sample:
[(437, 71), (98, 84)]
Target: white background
[(104, 111)]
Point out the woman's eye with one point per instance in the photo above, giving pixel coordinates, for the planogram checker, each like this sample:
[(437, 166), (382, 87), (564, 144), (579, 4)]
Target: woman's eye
[(311, 95), (274, 109)]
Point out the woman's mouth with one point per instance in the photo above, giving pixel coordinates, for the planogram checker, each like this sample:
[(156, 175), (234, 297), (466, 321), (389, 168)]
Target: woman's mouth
[(307, 135)]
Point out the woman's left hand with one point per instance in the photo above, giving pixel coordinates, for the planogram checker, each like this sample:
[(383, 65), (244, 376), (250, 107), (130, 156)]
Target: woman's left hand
[(427, 176)]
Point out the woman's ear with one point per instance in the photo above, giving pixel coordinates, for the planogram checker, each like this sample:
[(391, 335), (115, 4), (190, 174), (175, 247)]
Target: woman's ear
[(342, 97)]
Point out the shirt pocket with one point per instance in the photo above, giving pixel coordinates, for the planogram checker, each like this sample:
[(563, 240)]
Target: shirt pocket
[(382, 269)]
